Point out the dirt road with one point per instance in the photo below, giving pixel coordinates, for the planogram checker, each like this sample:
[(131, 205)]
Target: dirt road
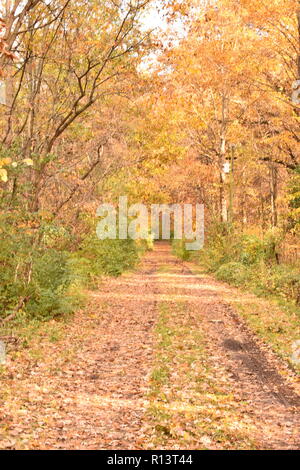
[(96, 388)]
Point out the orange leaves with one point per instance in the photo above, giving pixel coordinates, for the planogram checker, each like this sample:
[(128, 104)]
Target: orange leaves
[(3, 46)]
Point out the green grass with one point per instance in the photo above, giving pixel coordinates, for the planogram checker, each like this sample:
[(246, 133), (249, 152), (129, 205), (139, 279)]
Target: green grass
[(191, 406), (273, 318), (277, 323)]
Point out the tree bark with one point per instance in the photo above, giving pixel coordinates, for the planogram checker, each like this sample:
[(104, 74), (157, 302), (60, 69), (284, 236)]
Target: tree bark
[(273, 194), (298, 58), (223, 198)]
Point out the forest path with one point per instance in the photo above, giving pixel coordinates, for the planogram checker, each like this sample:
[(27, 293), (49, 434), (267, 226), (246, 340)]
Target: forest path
[(94, 389)]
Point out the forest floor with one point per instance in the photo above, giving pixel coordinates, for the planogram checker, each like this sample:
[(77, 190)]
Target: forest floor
[(159, 359)]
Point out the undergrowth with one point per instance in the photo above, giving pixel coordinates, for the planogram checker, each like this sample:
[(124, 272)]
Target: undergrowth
[(44, 269), (246, 260)]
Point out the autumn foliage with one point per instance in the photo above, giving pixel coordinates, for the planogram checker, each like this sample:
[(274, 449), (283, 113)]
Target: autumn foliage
[(98, 106)]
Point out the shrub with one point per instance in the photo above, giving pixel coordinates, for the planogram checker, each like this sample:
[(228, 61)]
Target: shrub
[(15, 248), (233, 272), (221, 247), (179, 249), (246, 260), (80, 271), (294, 202), (284, 280), (251, 250), (51, 278), (111, 257), (272, 240), (41, 277)]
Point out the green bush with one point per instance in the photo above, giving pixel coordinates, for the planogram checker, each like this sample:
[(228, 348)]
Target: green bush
[(235, 273), (15, 249), (221, 247), (42, 277), (51, 270), (179, 249), (294, 202), (246, 260), (111, 257), (284, 280), (42, 281), (51, 279), (251, 249), (272, 240), (33, 279), (80, 271)]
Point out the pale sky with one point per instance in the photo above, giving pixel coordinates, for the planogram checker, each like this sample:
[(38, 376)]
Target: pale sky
[(155, 17)]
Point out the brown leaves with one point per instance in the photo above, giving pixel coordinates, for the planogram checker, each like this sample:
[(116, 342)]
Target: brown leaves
[(91, 387), (4, 51)]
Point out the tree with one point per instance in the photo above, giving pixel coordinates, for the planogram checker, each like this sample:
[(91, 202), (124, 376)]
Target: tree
[(66, 64)]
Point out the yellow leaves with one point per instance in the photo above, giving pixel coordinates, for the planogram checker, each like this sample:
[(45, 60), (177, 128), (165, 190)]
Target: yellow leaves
[(4, 161), (28, 161), (3, 175), (3, 172)]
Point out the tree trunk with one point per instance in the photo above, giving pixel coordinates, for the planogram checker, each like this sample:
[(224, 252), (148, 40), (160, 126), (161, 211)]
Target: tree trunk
[(5, 62), (273, 194), (243, 203), (298, 58), (223, 198)]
